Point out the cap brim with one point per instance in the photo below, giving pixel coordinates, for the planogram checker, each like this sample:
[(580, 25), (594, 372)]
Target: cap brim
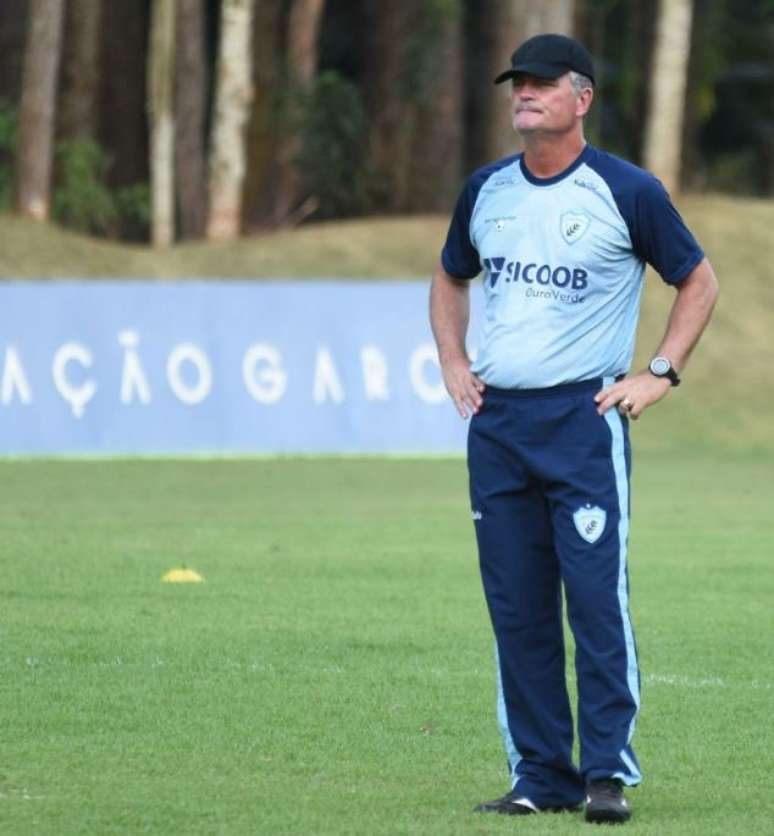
[(536, 69)]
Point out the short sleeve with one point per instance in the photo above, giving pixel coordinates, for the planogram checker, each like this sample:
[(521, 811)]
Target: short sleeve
[(659, 234), (459, 257)]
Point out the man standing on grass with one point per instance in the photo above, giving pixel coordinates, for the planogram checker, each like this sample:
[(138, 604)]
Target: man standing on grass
[(562, 233)]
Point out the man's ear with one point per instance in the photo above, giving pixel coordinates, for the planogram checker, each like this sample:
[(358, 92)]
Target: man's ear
[(584, 101)]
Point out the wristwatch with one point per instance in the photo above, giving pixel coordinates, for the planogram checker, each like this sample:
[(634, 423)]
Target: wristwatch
[(661, 367)]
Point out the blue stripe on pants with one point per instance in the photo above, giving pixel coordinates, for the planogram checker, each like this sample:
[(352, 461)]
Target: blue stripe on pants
[(511, 752), (631, 776)]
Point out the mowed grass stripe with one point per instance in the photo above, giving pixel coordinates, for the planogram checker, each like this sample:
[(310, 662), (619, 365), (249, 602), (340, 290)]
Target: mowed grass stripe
[(333, 674)]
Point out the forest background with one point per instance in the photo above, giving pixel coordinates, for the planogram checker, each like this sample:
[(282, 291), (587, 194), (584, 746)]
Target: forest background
[(165, 120)]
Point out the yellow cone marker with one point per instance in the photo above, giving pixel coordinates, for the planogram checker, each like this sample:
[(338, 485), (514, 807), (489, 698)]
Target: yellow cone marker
[(182, 576)]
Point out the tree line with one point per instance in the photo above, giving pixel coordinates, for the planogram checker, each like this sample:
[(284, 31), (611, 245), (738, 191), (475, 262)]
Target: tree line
[(181, 119)]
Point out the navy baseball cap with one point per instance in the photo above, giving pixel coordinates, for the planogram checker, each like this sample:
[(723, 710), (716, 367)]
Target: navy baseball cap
[(549, 56)]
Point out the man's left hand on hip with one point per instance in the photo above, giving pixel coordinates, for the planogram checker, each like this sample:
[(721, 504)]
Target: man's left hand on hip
[(633, 394)]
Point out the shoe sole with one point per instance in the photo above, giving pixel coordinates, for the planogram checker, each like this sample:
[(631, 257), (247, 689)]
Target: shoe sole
[(521, 810), (607, 816), (514, 810)]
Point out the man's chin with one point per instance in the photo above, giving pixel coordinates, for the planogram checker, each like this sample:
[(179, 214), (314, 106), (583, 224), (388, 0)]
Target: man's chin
[(527, 125), (526, 130)]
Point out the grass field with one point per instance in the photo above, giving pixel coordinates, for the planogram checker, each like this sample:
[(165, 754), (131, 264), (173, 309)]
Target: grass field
[(334, 672)]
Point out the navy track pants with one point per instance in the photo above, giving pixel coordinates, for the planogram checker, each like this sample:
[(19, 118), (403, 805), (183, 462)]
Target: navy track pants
[(549, 485)]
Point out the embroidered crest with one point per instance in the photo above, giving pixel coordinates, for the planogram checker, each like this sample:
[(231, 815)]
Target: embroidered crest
[(590, 522), (573, 225)]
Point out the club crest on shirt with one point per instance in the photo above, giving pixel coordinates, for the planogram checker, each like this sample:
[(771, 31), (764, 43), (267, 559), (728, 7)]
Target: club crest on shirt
[(590, 522), (573, 225)]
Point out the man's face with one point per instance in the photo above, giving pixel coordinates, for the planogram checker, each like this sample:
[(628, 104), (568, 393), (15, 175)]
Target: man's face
[(547, 105)]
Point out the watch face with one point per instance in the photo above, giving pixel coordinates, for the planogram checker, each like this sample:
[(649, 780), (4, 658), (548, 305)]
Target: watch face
[(660, 366)]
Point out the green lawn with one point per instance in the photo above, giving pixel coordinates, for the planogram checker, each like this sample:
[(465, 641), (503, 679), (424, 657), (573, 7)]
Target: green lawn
[(334, 672)]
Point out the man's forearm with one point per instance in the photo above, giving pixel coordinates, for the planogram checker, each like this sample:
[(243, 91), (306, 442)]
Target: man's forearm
[(688, 318), (449, 314), (690, 314)]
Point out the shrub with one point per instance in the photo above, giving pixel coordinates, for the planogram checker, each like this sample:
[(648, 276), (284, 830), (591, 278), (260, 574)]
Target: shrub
[(9, 121), (133, 205), (334, 140), (82, 200)]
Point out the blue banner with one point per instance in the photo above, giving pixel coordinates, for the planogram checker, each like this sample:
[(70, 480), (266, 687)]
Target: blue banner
[(232, 367)]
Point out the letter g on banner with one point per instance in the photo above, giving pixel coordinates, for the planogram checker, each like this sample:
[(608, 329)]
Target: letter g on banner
[(267, 384)]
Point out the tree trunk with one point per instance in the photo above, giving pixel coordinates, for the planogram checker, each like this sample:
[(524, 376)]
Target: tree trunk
[(541, 17), (303, 34), (494, 28), (161, 74), (13, 26), (263, 140), (435, 161), (38, 108), (80, 70), (233, 95), (638, 67), (387, 26), (123, 95), (190, 118), (663, 137)]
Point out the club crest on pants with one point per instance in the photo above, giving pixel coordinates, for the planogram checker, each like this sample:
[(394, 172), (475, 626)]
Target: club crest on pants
[(590, 522)]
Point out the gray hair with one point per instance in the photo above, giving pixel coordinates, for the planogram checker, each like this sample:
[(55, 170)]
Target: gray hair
[(580, 82)]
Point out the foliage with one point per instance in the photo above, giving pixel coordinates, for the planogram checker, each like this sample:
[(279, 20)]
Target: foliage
[(730, 112), (421, 60), (710, 22), (738, 124), (82, 200), (733, 173), (9, 121), (133, 204), (333, 131)]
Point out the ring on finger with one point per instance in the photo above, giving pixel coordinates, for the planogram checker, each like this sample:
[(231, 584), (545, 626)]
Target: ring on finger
[(626, 404)]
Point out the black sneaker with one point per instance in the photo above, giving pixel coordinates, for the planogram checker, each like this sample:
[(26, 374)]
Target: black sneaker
[(515, 804), (605, 802)]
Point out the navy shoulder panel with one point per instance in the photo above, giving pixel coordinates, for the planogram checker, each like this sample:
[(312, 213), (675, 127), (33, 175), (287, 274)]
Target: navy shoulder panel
[(659, 234), (459, 257)]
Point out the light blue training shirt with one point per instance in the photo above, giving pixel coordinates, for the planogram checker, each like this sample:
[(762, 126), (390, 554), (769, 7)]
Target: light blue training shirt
[(563, 261)]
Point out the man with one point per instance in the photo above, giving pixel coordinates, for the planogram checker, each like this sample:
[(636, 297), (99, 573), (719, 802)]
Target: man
[(562, 233)]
